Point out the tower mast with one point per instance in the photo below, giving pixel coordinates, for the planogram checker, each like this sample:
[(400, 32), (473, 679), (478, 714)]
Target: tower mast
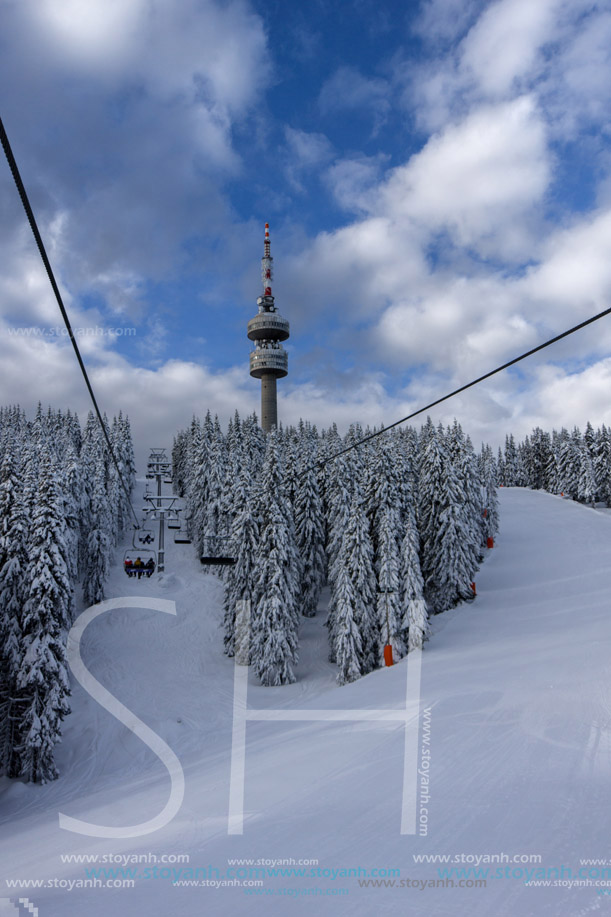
[(269, 359)]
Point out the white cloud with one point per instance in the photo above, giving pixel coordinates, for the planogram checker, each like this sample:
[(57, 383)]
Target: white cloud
[(349, 90), (570, 399), (448, 268), (479, 179), (97, 34), (445, 20), (504, 44), (354, 182), (305, 152), (307, 149), (574, 274), (558, 50), (196, 47), (576, 83), (133, 160), (457, 326)]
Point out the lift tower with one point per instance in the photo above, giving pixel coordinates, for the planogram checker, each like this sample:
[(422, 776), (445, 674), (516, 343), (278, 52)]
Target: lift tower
[(269, 359)]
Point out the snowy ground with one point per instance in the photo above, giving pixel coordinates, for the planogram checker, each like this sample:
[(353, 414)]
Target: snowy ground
[(519, 690)]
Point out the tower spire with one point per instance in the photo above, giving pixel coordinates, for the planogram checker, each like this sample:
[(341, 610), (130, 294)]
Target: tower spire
[(269, 360), (266, 265)]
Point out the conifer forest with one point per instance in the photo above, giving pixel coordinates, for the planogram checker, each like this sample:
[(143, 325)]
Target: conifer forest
[(374, 541)]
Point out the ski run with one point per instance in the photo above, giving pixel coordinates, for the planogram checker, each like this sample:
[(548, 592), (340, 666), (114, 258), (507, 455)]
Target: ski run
[(203, 785)]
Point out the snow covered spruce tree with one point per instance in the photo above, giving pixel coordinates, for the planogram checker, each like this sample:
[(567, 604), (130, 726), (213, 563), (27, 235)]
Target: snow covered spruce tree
[(447, 555), (338, 482), (462, 457), (357, 549), (275, 614), (309, 524), (243, 545), (576, 465), (14, 525), (490, 513), (603, 464), (357, 519), (46, 524), (415, 624), (388, 604), (99, 540), (42, 684), (347, 644), (586, 486)]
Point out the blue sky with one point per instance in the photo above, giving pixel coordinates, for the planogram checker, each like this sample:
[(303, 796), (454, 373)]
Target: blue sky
[(436, 176)]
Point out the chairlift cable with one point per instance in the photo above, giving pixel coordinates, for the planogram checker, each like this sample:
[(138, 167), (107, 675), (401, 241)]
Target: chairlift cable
[(43, 254), (594, 318)]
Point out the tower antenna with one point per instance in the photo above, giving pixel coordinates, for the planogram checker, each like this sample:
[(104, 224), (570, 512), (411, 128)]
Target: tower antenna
[(269, 359)]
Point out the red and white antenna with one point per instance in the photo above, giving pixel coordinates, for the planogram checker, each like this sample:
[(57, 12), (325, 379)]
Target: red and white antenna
[(266, 265)]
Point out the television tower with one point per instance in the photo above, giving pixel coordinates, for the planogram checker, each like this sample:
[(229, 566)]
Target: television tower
[(269, 359)]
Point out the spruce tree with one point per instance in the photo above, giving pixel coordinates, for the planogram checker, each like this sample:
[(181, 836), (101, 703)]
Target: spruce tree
[(348, 649), (388, 597), (42, 682), (243, 544), (586, 487), (100, 537), (415, 622), (309, 526), (275, 617), (359, 563), (14, 526)]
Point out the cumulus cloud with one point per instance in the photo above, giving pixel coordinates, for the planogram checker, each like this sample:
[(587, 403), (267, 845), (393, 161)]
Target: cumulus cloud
[(556, 48), (349, 90), (477, 178), (305, 152), (354, 182), (142, 143), (445, 20), (441, 266), (504, 44)]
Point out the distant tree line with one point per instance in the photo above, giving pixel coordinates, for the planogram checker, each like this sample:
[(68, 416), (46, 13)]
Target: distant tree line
[(396, 528), (574, 464), (62, 511)]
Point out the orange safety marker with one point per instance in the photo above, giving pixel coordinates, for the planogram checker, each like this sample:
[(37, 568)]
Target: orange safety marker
[(490, 542), (388, 655), (473, 587)]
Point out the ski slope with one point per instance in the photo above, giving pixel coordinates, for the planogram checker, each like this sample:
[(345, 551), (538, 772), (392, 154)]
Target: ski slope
[(517, 685)]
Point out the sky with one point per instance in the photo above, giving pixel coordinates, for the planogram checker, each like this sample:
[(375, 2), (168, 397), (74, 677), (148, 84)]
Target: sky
[(436, 176)]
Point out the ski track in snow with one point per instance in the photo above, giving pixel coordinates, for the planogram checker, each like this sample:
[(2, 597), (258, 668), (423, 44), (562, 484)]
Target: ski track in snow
[(519, 687)]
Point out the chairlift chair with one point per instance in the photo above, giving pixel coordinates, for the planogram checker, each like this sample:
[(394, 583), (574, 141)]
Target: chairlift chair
[(145, 535), (219, 560), (147, 565)]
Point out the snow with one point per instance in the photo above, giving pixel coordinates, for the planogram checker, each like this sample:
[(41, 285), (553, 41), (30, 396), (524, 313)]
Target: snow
[(519, 690)]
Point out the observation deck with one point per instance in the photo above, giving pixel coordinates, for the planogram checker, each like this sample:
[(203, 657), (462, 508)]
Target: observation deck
[(268, 326), (269, 362)]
